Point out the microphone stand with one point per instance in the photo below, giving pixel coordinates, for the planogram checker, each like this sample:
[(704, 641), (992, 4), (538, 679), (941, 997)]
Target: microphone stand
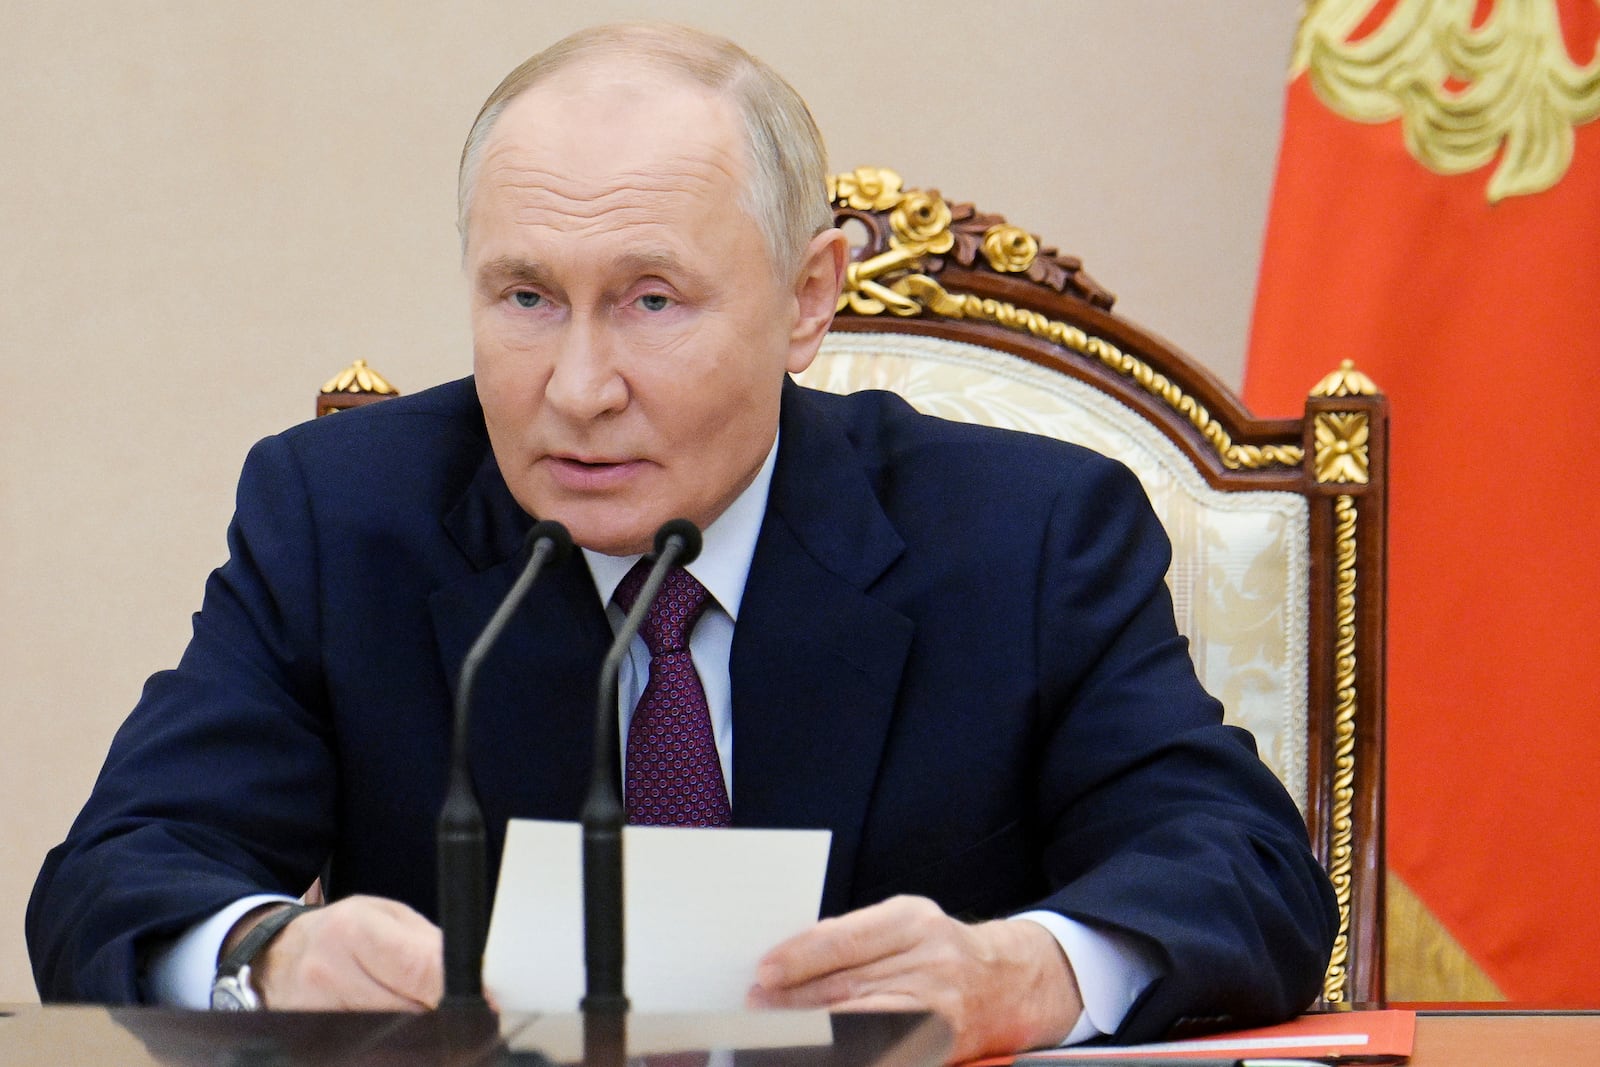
[(605, 1004), (462, 866)]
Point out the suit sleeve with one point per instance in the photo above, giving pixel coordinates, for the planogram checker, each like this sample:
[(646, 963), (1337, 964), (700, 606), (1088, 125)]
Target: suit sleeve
[(1160, 821), (220, 783)]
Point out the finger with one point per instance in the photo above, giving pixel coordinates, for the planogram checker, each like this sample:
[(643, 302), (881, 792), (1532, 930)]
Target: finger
[(824, 993), (903, 1001), (819, 992), (848, 941), (915, 973)]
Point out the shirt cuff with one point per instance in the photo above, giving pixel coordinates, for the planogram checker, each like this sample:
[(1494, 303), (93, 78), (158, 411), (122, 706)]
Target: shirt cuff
[(180, 972), (1112, 969)]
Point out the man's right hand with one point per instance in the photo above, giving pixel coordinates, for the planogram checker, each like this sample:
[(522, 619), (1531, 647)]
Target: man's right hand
[(359, 954)]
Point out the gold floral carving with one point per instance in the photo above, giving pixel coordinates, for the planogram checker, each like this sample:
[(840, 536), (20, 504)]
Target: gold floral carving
[(1341, 847), (923, 224), (865, 188), (1464, 93), (1009, 249), (1341, 439), (358, 378), (1346, 381)]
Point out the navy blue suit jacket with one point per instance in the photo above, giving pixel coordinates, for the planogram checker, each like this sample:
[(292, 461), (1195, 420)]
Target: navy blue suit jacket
[(956, 651)]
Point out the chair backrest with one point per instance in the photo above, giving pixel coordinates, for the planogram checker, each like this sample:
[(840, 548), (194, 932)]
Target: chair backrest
[(1278, 526)]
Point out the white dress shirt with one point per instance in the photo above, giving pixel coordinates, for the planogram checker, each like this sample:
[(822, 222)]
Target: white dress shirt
[(1111, 968)]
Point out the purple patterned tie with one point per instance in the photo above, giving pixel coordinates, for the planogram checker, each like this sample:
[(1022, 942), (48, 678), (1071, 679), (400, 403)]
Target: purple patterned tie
[(673, 775)]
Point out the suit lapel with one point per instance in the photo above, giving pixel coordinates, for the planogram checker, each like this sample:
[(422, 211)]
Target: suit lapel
[(532, 740), (816, 661)]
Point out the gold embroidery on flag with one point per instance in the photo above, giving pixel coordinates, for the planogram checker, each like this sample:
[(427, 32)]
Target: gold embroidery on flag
[(1422, 960), (1463, 93)]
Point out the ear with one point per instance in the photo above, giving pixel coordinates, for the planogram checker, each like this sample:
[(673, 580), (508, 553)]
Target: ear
[(816, 293)]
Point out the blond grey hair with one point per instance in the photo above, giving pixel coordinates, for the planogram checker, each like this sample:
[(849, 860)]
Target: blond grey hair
[(785, 192)]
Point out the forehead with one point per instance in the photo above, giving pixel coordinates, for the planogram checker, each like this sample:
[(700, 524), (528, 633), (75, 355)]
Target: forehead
[(588, 143)]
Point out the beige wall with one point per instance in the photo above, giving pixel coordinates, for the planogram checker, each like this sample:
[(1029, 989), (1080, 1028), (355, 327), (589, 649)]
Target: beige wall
[(208, 208)]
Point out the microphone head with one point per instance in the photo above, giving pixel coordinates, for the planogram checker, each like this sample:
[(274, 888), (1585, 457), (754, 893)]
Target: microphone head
[(688, 535), (552, 531)]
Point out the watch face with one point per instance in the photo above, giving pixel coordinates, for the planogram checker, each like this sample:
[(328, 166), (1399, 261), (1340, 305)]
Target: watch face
[(230, 994)]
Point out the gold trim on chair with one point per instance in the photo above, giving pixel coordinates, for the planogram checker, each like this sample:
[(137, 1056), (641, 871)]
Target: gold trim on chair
[(1346, 381), (359, 378), (356, 385), (923, 225), (1341, 447), (1344, 725)]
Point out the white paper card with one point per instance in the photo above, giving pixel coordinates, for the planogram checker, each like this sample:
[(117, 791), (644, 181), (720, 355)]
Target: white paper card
[(701, 909)]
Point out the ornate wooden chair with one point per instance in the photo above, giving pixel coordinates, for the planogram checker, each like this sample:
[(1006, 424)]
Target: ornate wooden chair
[(1278, 526)]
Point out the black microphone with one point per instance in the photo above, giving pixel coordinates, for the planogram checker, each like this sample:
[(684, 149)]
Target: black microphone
[(462, 866), (677, 543)]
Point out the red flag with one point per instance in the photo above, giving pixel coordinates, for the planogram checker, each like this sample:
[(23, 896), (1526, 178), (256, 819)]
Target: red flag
[(1450, 246)]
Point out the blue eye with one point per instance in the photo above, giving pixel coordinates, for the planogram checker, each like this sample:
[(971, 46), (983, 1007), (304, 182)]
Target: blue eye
[(526, 299), (654, 302)]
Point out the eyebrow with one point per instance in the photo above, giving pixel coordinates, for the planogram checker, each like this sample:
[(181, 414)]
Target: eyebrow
[(650, 261), (519, 271), (512, 269)]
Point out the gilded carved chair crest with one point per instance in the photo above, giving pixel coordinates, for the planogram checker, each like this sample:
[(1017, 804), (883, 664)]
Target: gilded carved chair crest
[(922, 230), (914, 235)]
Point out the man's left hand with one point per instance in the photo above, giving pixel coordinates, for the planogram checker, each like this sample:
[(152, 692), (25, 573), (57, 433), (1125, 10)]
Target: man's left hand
[(1002, 986)]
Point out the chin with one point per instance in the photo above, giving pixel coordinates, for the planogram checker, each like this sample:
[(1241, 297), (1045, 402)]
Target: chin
[(612, 528), (609, 539)]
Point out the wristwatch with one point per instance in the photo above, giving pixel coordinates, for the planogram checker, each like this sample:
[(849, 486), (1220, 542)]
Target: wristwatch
[(232, 989)]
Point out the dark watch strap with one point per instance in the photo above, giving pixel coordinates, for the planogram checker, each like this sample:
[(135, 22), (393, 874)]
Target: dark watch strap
[(250, 946)]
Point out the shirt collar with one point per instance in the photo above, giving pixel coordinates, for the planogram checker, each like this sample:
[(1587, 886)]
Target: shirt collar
[(727, 549)]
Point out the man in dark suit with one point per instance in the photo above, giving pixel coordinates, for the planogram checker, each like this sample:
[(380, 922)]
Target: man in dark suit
[(951, 646)]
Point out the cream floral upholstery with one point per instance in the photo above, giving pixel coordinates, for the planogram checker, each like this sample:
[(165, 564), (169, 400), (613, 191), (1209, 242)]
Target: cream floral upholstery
[(1239, 574)]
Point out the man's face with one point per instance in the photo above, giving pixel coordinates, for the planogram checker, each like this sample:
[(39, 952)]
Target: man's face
[(630, 333)]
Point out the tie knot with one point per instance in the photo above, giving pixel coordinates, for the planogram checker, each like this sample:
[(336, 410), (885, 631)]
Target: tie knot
[(677, 607)]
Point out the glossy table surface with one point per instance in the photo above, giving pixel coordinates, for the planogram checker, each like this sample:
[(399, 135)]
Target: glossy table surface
[(149, 1037), (141, 1037)]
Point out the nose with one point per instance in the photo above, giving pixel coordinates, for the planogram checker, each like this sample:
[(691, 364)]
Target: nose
[(584, 382)]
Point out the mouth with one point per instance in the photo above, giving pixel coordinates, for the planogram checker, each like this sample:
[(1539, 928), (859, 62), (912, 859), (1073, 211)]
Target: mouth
[(593, 462), (591, 473)]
